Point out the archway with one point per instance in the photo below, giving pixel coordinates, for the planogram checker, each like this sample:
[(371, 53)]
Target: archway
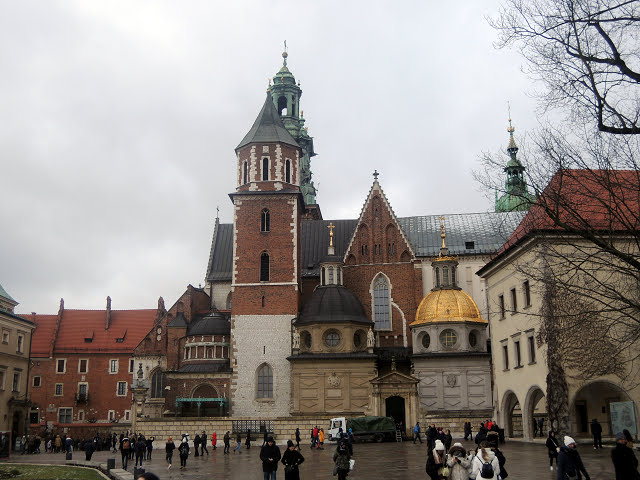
[(395, 409), (594, 401), (535, 410), (512, 415), (17, 427)]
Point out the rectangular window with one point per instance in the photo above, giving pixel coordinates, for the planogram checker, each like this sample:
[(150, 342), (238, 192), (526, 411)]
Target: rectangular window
[(113, 365), (514, 300), (518, 357), (2, 375), (61, 365), (16, 382), (5, 337), (527, 293), (122, 389), (81, 415), (34, 416), (83, 365), (501, 303), (58, 390), (127, 415), (82, 388), (20, 347), (505, 356), (132, 365), (37, 381), (111, 415), (65, 415), (532, 349)]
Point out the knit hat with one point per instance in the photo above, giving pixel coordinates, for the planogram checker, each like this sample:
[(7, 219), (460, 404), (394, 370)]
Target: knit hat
[(620, 436), (458, 444), (568, 440), (270, 439), (289, 443), (439, 445)]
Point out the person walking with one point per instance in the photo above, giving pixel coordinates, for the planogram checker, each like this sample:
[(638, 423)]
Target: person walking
[(569, 461), (467, 430), (485, 464), (58, 443), (291, 459), (89, 448), (184, 452), (320, 439), (214, 440), (535, 427), (541, 425), (150, 447), (168, 449), (341, 460), (239, 443), (596, 432), (458, 463), (298, 438), (314, 436), (270, 456), (125, 449), (203, 444), (227, 442), (448, 439), (247, 442), (141, 448), (416, 433), (196, 445), (624, 461), (554, 447), (436, 459)]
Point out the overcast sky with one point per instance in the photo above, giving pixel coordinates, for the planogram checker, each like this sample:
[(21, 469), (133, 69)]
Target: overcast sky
[(119, 121)]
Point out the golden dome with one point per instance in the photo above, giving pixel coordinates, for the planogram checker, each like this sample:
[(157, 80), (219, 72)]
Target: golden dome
[(447, 306)]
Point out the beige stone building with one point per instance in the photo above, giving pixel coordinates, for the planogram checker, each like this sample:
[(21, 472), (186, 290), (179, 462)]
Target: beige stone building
[(14, 368)]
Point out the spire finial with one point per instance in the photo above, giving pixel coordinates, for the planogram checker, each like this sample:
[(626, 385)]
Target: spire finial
[(285, 54), (510, 129), (331, 226), (217, 213), (375, 175), (512, 148), (442, 234)]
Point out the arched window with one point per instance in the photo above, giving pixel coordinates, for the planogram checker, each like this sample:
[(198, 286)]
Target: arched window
[(265, 169), (437, 276), (287, 171), (381, 303), (282, 105), (324, 281), (265, 382), (445, 276), (264, 267), (158, 384), (245, 173), (265, 220), (453, 276)]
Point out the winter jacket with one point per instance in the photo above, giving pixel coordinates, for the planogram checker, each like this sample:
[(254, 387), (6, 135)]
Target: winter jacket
[(570, 463), (596, 428), (270, 452), (501, 461), (293, 458), (458, 464), (624, 462), (169, 448), (184, 449), (479, 460), (553, 445), (341, 457), (435, 462)]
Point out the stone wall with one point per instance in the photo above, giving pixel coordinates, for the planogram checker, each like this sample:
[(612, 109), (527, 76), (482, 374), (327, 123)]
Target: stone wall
[(284, 428), (454, 421)]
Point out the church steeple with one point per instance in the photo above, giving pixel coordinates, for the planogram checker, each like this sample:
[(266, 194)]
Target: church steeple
[(516, 196), (286, 93)]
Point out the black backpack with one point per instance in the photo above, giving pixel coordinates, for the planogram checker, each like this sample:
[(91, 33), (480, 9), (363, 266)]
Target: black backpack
[(487, 470)]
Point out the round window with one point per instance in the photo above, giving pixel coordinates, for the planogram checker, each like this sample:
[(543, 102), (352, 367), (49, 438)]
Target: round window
[(448, 338), (426, 340), (332, 338), (473, 339)]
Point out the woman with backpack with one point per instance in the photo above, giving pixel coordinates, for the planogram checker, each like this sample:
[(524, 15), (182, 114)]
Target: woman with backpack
[(184, 452), (341, 460), (485, 464)]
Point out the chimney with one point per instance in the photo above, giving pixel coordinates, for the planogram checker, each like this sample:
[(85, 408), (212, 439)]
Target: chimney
[(107, 314)]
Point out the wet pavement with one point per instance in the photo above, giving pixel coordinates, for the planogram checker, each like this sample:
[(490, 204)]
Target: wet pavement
[(525, 461)]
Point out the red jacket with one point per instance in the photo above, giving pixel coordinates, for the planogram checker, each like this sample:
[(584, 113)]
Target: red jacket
[(214, 438)]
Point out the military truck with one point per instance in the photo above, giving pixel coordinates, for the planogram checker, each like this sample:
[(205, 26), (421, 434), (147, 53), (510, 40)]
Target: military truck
[(377, 429)]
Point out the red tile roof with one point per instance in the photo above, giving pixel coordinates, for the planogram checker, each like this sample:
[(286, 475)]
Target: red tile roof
[(77, 325), (598, 201)]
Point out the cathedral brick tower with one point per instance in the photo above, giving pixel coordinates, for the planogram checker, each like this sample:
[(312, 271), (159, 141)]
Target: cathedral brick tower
[(268, 208)]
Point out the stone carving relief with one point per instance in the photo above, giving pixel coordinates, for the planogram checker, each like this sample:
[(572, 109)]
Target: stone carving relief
[(333, 380)]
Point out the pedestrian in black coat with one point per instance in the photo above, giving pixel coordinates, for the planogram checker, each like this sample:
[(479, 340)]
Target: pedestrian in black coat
[(596, 431), (553, 445), (196, 445), (270, 456), (291, 459), (624, 461), (298, 439), (89, 448), (168, 449), (467, 430), (447, 440), (184, 452), (247, 442), (569, 461)]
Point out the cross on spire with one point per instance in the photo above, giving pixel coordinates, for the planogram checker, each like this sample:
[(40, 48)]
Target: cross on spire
[(375, 175), (442, 234), (331, 226)]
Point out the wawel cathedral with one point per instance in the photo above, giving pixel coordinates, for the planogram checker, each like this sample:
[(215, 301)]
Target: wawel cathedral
[(307, 316)]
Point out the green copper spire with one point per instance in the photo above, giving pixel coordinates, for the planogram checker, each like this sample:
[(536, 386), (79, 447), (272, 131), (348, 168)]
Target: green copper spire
[(286, 95), (516, 196)]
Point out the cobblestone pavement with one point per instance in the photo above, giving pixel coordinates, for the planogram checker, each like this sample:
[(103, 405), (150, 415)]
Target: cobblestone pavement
[(525, 461)]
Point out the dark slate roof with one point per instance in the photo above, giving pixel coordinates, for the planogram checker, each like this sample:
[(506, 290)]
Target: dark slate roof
[(332, 304), (315, 241), (220, 260), (208, 367), (487, 231), (268, 127), (179, 321), (212, 324)]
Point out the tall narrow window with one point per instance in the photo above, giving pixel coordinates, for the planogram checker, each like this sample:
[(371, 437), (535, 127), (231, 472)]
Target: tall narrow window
[(505, 356), (265, 221), (453, 276), (158, 384), (265, 169), (381, 303), (514, 300), (264, 267), (532, 349), (527, 293), (287, 171), (501, 304), (437, 276), (245, 173), (265, 382), (331, 276), (445, 276), (518, 357)]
